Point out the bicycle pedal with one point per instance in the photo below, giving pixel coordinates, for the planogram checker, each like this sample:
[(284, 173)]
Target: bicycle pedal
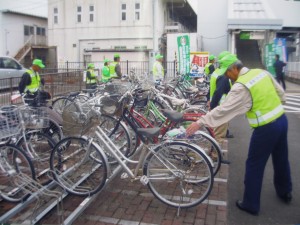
[(124, 176), (144, 180)]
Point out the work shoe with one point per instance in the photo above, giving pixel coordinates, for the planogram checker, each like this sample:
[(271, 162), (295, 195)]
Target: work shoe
[(287, 198), (229, 136), (240, 205)]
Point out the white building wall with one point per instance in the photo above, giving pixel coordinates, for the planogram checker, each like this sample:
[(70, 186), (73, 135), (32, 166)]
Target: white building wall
[(12, 31), (212, 25), (107, 30)]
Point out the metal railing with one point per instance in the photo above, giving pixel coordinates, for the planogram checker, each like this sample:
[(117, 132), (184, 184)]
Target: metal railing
[(63, 78)]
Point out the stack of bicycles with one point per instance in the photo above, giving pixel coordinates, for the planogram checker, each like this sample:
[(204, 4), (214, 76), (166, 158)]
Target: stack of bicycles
[(177, 171)]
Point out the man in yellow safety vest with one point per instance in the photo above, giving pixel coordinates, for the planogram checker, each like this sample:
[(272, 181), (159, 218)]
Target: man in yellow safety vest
[(256, 93)]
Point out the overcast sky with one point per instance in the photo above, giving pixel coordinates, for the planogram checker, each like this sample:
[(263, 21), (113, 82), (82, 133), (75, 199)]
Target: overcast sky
[(35, 7)]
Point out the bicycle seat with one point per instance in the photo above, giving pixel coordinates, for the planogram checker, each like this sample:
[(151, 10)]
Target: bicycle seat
[(173, 115), (89, 90), (72, 94), (148, 132)]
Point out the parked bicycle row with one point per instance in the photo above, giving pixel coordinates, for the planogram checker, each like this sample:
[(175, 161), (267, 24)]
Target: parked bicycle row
[(135, 125)]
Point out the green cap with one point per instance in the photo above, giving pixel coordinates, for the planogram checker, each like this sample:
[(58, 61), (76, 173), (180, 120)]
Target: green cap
[(226, 62), (222, 54), (106, 60), (38, 63), (211, 57), (116, 55), (91, 65), (159, 56)]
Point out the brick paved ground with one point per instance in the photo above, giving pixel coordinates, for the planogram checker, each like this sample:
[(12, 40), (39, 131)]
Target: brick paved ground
[(131, 203)]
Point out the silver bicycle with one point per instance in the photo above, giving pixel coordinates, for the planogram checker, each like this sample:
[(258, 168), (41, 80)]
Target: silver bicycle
[(178, 173)]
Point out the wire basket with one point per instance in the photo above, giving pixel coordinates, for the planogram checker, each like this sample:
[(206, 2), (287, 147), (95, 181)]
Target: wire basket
[(141, 99), (110, 105), (9, 121), (116, 88), (35, 117), (79, 119)]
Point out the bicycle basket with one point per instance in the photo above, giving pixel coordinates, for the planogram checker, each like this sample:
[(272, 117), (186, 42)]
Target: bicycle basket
[(141, 98), (115, 88), (79, 119), (35, 117), (9, 121), (109, 105)]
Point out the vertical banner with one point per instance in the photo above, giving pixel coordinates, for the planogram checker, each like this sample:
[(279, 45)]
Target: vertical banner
[(183, 43), (278, 47), (270, 57), (198, 62)]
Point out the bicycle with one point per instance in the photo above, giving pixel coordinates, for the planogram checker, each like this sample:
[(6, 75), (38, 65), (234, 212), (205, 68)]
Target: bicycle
[(177, 173), (13, 160), (172, 119)]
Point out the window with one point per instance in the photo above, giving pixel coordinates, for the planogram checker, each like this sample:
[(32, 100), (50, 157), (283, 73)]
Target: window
[(78, 14), (28, 30), (91, 13), (10, 64), (123, 11), (55, 15), (137, 11), (41, 31)]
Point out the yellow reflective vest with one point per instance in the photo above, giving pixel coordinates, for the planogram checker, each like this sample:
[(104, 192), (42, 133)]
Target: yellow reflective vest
[(213, 85), (112, 69), (93, 79), (35, 82), (266, 104)]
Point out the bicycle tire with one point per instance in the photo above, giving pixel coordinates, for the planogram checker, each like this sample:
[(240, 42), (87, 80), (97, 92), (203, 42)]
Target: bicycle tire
[(79, 166), (60, 103), (14, 163), (40, 147), (174, 164), (118, 133), (210, 147)]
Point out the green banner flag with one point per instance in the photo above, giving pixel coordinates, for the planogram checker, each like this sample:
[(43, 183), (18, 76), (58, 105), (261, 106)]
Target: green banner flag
[(269, 57), (183, 43)]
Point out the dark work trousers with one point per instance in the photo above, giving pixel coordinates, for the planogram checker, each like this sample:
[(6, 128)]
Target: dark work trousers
[(280, 79), (270, 139)]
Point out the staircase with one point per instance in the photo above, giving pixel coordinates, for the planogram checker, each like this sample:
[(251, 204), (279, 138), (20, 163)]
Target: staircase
[(248, 52), (24, 50)]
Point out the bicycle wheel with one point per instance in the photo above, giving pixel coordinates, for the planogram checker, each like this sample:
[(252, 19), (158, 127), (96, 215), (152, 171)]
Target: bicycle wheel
[(60, 103), (118, 133), (81, 98), (14, 164), (210, 146), (38, 147), (79, 166), (179, 174)]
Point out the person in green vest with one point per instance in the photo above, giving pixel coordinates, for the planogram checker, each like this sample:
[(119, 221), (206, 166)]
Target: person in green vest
[(257, 94), (158, 69), (209, 68), (220, 86), (32, 84), (115, 68), (105, 71), (91, 77)]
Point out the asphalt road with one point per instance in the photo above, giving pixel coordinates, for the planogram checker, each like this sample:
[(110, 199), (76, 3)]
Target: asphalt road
[(273, 211)]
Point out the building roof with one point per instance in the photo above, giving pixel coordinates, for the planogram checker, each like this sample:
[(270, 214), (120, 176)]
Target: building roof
[(22, 13), (252, 15)]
